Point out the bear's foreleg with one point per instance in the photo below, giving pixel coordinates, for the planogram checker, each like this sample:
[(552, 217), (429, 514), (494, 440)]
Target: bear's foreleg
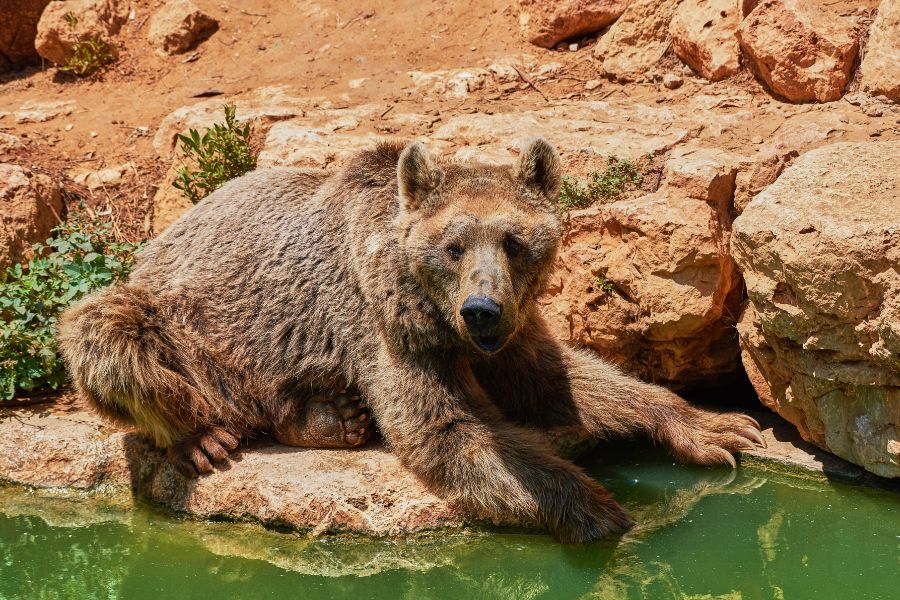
[(444, 428), (543, 383)]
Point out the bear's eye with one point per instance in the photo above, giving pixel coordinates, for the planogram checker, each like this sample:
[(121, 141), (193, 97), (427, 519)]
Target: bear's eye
[(455, 251), (512, 247)]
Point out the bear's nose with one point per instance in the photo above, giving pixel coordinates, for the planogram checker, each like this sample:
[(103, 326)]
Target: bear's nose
[(481, 314)]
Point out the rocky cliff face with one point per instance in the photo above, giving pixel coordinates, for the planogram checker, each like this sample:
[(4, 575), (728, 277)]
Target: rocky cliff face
[(820, 253), (648, 282)]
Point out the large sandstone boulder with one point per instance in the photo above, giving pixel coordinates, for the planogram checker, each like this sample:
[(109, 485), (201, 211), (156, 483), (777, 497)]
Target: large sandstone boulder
[(18, 26), (637, 40), (178, 26), (879, 71), (364, 491), (820, 253), (30, 207), (65, 22), (545, 23), (71, 454), (648, 282), (703, 37), (802, 51)]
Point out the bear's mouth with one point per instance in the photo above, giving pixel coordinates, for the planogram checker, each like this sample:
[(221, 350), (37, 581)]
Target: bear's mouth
[(488, 343)]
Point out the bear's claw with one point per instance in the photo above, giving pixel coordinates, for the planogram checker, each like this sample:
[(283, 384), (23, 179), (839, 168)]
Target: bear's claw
[(712, 438), (196, 454)]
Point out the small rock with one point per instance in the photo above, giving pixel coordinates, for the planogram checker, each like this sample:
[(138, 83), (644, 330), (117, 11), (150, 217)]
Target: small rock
[(573, 47), (703, 37), (40, 112), (873, 110), (672, 81), (57, 31), (546, 23), (178, 26), (94, 179), (592, 84), (637, 40), (30, 206), (879, 72), (800, 50), (9, 143), (756, 140)]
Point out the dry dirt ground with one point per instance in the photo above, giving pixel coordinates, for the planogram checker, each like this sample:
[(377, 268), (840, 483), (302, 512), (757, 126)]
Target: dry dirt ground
[(318, 49)]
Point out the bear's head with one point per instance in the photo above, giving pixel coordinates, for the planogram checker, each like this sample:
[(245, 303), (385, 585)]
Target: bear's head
[(481, 240)]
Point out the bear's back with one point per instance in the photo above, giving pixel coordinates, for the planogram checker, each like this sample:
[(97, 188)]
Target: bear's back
[(232, 229)]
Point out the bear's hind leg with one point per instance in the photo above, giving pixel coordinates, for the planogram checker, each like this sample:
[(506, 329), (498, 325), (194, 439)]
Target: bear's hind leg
[(331, 418)]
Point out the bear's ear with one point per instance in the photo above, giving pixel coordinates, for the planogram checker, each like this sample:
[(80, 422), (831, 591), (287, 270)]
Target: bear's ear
[(538, 167), (418, 178)]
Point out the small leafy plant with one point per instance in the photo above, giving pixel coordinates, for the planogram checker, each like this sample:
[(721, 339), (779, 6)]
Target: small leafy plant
[(605, 285), (82, 256), (88, 55), (218, 155), (601, 185)]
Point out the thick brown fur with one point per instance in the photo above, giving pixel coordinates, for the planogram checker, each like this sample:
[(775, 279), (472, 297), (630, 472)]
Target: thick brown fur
[(283, 282)]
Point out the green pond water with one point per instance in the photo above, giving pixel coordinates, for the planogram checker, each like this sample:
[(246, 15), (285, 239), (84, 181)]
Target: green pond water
[(702, 533)]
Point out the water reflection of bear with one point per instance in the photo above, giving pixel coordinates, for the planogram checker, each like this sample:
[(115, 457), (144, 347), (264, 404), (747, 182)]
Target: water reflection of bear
[(114, 553), (484, 565)]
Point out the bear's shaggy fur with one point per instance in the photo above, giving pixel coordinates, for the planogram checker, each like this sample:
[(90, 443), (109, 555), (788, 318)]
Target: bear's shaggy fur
[(286, 301)]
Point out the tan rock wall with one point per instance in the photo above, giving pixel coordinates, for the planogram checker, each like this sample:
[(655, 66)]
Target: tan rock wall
[(820, 253)]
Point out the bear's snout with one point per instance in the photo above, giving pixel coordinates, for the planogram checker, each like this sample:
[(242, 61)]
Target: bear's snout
[(482, 318)]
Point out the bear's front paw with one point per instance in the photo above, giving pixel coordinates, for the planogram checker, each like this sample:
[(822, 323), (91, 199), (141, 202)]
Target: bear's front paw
[(599, 516), (708, 438), (196, 454)]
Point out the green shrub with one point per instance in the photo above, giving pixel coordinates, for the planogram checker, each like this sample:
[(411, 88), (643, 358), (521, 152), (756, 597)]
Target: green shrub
[(81, 257), (219, 155), (601, 185), (88, 55)]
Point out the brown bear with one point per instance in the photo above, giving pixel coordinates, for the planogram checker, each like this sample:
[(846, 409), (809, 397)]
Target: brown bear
[(291, 303)]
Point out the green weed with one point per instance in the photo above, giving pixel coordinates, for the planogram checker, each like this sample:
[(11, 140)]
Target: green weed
[(605, 285), (89, 56), (220, 154), (600, 186), (82, 256)]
